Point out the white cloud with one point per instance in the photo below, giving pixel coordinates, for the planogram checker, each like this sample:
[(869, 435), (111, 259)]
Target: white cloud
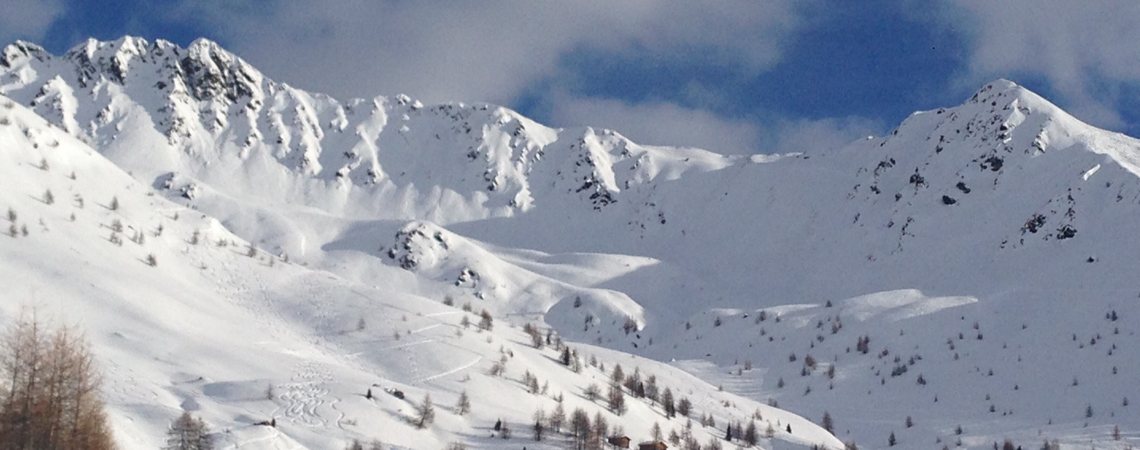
[(659, 123), (1075, 46), (483, 50), (27, 19), (807, 135), (662, 123), (496, 51)]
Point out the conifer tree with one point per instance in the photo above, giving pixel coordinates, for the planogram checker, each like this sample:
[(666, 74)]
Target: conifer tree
[(751, 437), (684, 407), (188, 433), (486, 322), (539, 424), (580, 427), (616, 399), (667, 403), (425, 412), (463, 406), (557, 417)]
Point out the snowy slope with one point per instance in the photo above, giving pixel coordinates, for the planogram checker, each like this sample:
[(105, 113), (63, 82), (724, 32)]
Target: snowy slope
[(236, 335), (1005, 211)]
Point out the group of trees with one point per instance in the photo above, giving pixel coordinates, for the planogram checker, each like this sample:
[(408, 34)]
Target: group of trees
[(50, 390), (50, 394)]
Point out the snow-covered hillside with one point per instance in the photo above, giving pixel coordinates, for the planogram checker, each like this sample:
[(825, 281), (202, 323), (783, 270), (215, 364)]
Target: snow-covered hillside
[(186, 316), (981, 246)]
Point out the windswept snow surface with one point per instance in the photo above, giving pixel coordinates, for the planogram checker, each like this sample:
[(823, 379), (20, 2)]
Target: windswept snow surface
[(986, 248)]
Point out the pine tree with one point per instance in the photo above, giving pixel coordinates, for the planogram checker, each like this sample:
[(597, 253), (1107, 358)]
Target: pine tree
[(425, 412), (750, 435), (188, 433), (617, 376), (667, 403), (827, 423), (580, 427), (600, 430), (651, 391), (486, 322), (539, 425), (891, 441), (557, 417), (616, 399), (592, 392), (463, 406), (684, 407), (633, 380)]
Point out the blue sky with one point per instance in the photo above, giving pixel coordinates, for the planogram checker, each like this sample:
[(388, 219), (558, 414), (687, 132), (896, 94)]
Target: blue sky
[(736, 76)]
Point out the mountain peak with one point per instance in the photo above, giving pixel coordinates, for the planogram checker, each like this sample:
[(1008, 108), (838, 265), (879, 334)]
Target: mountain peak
[(205, 48), (1002, 92), (21, 49)]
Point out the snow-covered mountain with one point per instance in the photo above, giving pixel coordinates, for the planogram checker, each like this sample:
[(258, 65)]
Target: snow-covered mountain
[(985, 248)]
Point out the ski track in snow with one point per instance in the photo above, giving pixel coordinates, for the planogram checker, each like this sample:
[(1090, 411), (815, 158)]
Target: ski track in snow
[(747, 384), (429, 327), (443, 313), (454, 371), (306, 394), (272, 435), (407, 345)]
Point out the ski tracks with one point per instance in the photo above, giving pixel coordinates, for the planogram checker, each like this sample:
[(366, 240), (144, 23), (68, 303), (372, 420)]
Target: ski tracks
[(454, 371), (306, 394)]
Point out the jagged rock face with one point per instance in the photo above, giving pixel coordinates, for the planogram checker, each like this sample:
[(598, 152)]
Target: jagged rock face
[(1003, 146), (213, 108), (418, 244), (1004, 172)]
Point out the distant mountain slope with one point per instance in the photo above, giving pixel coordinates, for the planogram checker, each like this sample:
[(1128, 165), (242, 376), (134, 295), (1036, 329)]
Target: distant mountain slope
[(1002, 210)]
